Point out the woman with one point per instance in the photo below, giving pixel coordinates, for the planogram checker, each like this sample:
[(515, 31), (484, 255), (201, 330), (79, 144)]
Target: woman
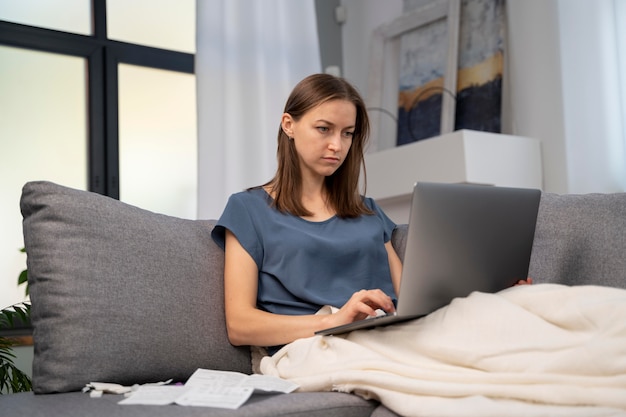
[(307, 238)]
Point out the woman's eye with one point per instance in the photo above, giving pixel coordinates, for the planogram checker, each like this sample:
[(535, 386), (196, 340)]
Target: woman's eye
[(322, 129), (349, 134)]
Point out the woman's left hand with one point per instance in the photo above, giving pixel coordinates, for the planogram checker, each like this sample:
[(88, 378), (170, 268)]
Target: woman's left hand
[(527, 281)]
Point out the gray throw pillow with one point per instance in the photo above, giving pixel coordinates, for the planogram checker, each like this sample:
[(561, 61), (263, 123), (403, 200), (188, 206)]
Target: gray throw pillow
[(120, 294), (580, 239)]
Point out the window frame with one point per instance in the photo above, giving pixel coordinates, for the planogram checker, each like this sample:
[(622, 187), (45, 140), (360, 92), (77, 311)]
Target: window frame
[(102, 56)]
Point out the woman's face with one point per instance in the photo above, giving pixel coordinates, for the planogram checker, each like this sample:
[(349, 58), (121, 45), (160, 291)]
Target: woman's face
[(322, 136)]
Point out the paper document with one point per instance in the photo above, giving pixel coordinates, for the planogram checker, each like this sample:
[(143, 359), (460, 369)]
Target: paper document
[(207, 388), (205, 378)]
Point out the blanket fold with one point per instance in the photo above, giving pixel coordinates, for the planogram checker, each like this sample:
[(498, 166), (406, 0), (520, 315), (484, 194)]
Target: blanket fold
[(540, 350)]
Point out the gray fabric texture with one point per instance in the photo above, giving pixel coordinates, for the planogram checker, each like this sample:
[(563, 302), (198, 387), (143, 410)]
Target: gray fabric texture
[(382, 411), (77, 404), (398, 239), (580, 239), (124, 295), (121, 294)]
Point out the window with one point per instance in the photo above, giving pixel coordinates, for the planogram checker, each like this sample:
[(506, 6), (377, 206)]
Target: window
[(142, 22), (61, 76), (158, 133), (64, 15)]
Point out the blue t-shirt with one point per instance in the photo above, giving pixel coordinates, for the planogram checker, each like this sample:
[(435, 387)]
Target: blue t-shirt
[(304, 265)]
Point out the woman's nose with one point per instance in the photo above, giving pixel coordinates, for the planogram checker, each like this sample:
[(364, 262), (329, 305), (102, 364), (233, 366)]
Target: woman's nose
[(335, 143)]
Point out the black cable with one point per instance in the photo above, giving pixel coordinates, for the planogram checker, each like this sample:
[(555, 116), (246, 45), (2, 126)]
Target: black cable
[(412, 108), (416, 99), (385, 111)]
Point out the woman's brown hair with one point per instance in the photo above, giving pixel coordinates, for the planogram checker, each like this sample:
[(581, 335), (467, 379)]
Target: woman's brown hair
[(343, 185)]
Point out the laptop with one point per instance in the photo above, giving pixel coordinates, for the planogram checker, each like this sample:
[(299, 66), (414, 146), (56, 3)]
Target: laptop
[(461, 238)]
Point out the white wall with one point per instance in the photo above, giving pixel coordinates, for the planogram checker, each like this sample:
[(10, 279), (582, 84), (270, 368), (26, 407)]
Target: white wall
[(594, 114), (551, 57), (362, 17), (535, 106), (563, 78)]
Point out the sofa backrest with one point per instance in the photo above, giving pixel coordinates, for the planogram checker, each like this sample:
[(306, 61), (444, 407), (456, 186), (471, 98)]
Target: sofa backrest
[(120, 294), (579, 240)]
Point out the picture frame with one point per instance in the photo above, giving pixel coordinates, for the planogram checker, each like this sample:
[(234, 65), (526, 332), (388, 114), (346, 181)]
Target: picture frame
[(384, 70)]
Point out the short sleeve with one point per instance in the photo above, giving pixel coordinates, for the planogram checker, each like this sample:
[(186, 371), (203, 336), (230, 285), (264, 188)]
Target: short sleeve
[(236, 218), (388, 225)]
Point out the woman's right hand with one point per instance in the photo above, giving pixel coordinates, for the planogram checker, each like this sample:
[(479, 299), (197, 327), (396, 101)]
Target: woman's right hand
[(363, 304)]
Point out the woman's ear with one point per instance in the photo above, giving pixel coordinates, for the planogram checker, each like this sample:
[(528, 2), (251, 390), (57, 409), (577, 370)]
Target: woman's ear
[(287, 124)]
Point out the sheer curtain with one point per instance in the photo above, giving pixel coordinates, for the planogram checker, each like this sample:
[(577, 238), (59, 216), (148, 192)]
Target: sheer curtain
[(250, 54), (593, 49)]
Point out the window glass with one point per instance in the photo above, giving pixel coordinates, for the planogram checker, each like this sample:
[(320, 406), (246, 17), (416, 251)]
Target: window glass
[(158, 140), (66, 15), (162, 24), (44, 137)]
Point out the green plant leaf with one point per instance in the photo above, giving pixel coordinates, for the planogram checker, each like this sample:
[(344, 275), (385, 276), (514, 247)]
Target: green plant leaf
[(6, 353), (9, 314), (23, 312), (6, 317), (23, 277), (13, 380)]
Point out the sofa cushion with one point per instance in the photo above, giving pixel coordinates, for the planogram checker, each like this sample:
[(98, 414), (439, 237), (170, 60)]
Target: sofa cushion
[(120, 294), (77, 404), (580, 239)]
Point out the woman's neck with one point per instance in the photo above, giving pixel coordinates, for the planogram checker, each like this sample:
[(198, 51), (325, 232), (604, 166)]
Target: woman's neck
[(315, 200)]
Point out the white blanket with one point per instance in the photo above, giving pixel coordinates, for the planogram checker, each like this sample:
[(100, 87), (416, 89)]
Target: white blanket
[(540, 350)]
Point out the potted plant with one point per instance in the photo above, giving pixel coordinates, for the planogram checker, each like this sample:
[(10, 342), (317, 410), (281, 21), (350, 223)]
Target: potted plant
[(14, 320)]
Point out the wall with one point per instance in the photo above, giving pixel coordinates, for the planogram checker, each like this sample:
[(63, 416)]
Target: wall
[(594, 107), (543, 98), (362, 17), (535, 103), (328, 31)]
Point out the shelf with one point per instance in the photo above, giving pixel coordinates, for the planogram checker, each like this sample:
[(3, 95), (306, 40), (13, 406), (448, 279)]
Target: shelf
[(464, 156)]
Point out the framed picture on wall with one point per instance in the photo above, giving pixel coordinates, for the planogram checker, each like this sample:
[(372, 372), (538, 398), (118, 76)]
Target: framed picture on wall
[(413, 75), (437, 68), (480, 66)]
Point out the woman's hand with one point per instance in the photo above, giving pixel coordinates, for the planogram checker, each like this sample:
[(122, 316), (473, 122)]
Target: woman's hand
[(527, 281), (363, 304)]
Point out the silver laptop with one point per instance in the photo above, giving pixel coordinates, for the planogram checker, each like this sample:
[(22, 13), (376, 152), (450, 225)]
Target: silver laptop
[(461, 238)]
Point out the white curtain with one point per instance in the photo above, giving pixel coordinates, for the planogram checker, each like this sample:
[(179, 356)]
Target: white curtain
[(593, 65), (250, 54)]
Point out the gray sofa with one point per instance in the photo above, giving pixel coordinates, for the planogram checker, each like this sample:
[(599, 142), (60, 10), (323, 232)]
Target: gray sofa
[(120, 294)]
